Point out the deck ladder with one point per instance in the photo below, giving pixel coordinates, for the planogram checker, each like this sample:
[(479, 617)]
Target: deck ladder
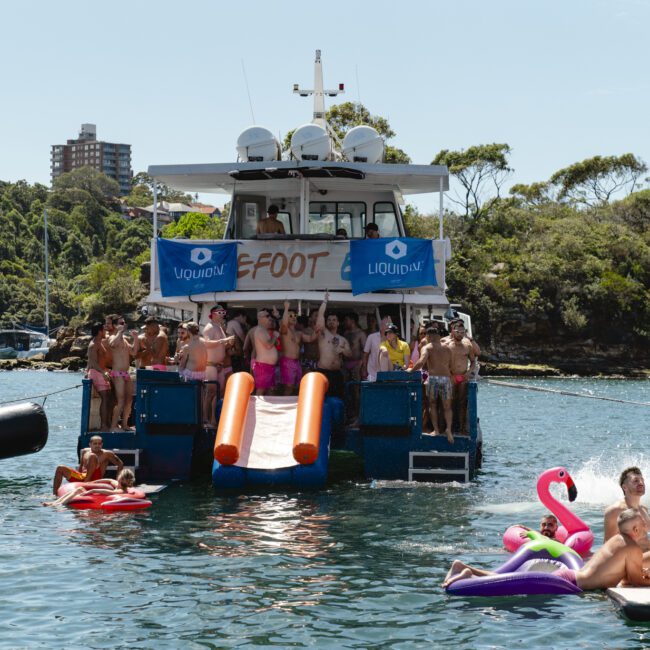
[(130, 458), (438, 466)]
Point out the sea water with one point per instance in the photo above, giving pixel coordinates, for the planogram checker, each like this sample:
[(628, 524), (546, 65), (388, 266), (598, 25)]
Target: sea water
[(357, 565)]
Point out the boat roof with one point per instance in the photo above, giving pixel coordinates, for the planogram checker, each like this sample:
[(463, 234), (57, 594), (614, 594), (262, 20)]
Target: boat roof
[(285, 175)]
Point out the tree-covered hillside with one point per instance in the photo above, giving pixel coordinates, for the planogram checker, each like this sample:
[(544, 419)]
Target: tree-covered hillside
[(557, 262)]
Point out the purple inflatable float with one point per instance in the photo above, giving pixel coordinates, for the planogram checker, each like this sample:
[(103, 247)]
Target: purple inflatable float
[(528, 571)]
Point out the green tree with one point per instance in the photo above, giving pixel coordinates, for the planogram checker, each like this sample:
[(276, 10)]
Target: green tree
[(594, 180), (195, 225), (143, 181), (481, 171), (533, 194), (102, 188)]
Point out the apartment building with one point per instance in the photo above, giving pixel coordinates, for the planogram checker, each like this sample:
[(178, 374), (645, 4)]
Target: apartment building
[(111, 158)]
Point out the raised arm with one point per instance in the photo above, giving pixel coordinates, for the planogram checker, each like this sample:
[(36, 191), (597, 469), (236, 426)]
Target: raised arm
[(284, 325), (320, 321)]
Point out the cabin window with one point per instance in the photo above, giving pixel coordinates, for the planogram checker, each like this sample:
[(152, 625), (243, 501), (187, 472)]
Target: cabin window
[(328, 216), (285, 219), (384, 216)]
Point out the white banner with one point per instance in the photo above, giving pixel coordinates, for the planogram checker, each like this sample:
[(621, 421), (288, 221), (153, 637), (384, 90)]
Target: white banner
[(305, 265)]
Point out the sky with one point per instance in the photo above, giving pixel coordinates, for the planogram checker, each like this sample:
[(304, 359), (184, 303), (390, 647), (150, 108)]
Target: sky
[(558, 81)]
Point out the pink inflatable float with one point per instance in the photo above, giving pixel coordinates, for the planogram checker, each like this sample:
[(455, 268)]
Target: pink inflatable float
[(573, 532)]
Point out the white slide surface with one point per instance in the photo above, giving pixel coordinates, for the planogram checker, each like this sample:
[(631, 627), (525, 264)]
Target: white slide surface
[(268, 435)]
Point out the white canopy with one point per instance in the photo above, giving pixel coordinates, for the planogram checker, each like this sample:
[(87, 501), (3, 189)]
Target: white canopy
[(285, 175)]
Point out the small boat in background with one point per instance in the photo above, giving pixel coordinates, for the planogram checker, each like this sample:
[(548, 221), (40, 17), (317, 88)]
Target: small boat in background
[(23, 343)]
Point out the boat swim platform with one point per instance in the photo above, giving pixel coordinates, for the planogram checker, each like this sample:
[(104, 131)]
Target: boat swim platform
[(170, 442), (634, 602)]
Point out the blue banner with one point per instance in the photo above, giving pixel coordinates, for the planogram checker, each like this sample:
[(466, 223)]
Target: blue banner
[(203, 268), (399, 263)]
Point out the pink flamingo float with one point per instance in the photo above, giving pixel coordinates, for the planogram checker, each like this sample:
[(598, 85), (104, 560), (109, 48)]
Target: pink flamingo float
[(573, 532)]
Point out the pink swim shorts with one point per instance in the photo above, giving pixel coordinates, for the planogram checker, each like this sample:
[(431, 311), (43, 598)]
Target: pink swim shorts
[(264, 375), (290, 371), (99, 381), (121, 373)]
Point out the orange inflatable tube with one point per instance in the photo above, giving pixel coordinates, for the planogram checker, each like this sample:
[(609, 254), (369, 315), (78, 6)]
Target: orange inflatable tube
[(232, 422), (309, 415)]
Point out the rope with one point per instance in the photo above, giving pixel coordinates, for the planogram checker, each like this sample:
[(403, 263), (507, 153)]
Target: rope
[(539, 389), (44, 395)]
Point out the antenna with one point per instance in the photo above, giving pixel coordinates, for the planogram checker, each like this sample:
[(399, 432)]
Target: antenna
[(250, 102), (318, 92), (356, 74)]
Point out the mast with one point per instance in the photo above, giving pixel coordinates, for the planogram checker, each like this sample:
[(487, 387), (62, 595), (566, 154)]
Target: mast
[(47, 277), (318, 92)]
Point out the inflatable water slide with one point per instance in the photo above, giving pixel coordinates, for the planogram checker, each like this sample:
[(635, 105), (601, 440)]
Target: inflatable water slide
[(268, 441)]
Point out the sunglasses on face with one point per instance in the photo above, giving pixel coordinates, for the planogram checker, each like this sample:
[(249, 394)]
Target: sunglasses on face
[(121, 322)]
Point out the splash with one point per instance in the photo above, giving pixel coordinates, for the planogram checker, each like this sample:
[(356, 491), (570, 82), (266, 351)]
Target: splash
[(597, 479)]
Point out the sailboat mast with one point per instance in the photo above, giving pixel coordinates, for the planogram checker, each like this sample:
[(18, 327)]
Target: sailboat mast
[(47, 277)]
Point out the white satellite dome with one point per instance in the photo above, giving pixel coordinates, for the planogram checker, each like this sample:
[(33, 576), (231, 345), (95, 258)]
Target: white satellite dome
[(311, 142), (257, 143), (363, 144)]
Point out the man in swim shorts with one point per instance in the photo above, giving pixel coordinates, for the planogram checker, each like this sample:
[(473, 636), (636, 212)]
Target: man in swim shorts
[(463, 363), (436, 359), (265, 341), (633, 486), (292, 340), (618, 562), (122, 350), (92, 466), (98, 373), (218, 367), (332, 347)]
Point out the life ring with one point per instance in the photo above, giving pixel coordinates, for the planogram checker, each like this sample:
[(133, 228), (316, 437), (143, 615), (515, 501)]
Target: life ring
[(134, 499), (528, 571), (573, 532)]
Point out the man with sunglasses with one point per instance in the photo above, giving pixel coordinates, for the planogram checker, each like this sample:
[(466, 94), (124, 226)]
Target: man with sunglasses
[(292, 339), (219, 367), (265, 341)]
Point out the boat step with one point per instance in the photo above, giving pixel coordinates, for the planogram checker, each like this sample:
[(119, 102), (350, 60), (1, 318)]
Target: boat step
[(130, 458), (438, 466), (438, 475)]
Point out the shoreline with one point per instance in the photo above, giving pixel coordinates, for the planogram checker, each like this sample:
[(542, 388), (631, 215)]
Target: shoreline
[(488, 369)]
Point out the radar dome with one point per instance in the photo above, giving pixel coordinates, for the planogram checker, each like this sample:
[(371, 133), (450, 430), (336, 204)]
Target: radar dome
[(311, 142), (257, 144), (363, 144)]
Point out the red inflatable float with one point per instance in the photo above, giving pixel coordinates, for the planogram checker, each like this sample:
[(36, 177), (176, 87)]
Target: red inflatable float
[(134, 499)]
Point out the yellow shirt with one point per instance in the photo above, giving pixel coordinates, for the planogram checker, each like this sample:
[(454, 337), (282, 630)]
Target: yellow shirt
[(397, 355)]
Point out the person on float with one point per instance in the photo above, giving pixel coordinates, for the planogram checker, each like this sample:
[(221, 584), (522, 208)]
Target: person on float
[(619, 562), (92, 466), (125, 481)]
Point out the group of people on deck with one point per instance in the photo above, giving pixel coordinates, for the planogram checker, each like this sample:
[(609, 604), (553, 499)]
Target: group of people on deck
[(278, 350), (624, 558)]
